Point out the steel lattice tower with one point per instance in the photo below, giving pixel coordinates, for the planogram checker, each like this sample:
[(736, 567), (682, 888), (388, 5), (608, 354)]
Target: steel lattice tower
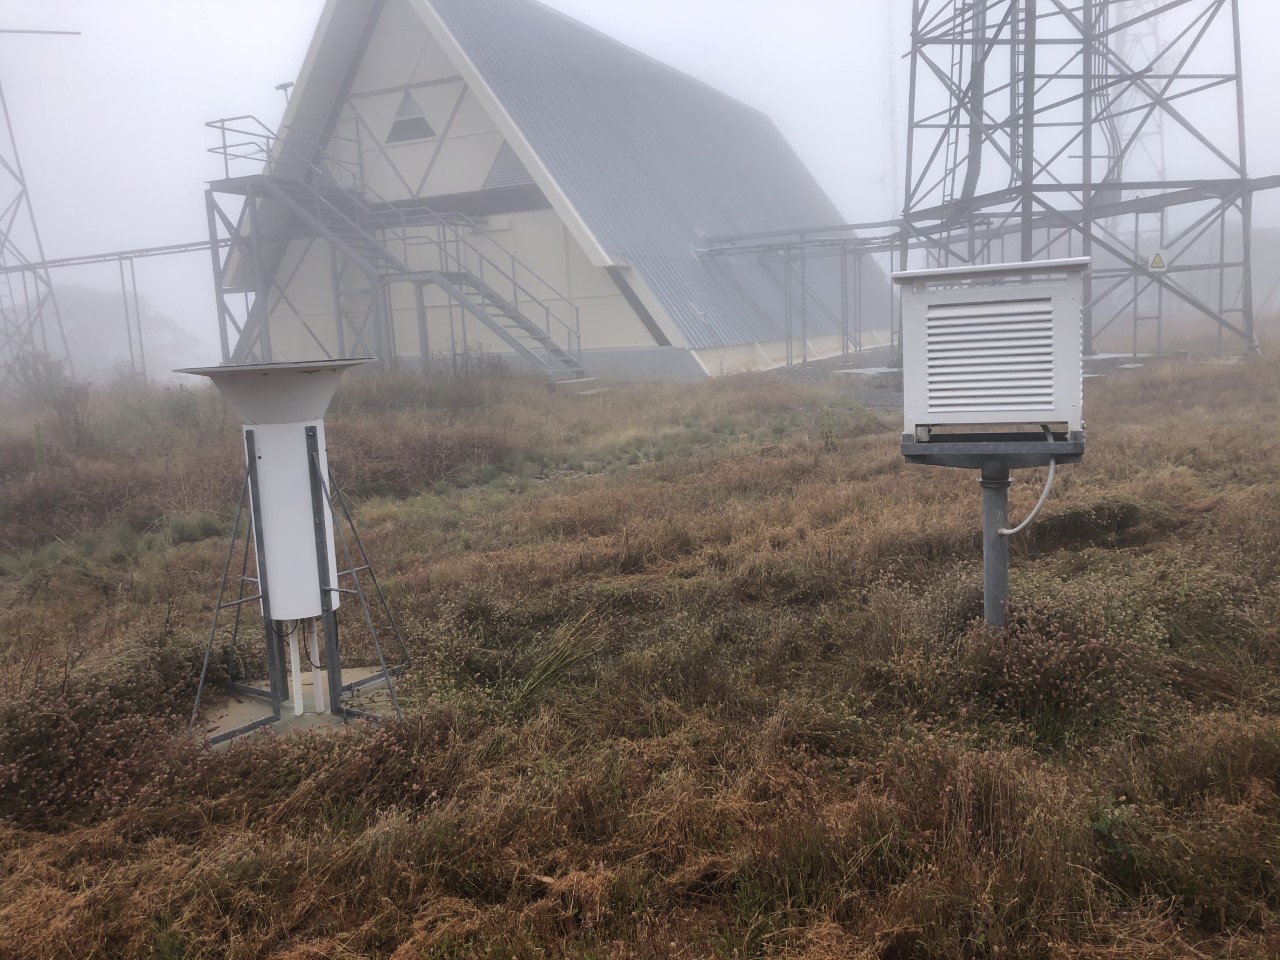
[(1107, 128), (30, 322)]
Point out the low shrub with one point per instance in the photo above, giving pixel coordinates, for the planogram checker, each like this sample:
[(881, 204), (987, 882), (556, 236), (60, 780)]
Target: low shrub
[(79, 752), (19, 457), (380, 459), (1072, 655), (1217, 867)]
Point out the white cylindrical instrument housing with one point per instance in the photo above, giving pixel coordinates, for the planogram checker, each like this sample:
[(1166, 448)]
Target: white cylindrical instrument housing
[(278, 402)]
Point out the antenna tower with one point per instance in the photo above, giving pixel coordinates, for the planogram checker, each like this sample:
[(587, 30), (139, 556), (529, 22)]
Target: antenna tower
[(1112, 129), (30, 322)]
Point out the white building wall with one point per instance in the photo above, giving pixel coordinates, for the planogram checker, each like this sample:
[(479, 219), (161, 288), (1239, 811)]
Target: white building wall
[(404, 58)]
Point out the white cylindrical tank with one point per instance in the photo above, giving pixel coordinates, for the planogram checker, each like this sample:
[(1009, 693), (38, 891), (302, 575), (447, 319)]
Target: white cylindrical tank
[(277, 403)]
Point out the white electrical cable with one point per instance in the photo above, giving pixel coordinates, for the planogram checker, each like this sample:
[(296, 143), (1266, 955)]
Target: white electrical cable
[(1044, 497)]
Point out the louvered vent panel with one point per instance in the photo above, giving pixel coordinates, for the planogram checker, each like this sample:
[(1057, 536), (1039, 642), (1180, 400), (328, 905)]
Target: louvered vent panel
[(990, 357), (507, 170)]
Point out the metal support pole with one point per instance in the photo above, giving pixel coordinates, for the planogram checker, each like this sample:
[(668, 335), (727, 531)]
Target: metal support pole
[(128, 322), (261, 290), (1089, 62), (295, 670), (339, 314), (389, 317), (275, 665), (381, 329), (786, 298), (217, 607), (42, 278), (995, 547), (1028, 81), (857, 304), (1137, 281), (424, 337), (219, 285), (333, 660), (137, 319), (804, 304), (844, 301), (1246, 202), (453, 342), (359, 590), (317, 675), (1222, 275), (365, 562), (1246, 290)]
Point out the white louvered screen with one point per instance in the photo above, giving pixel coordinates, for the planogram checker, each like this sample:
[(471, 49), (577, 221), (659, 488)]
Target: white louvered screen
[(990, 357), (986, 348)]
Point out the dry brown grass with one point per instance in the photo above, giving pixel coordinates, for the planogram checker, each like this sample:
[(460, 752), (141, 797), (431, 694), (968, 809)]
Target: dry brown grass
[(697, 677)]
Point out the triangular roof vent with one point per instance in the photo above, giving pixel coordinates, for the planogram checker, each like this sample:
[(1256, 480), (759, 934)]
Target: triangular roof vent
[(410, 123), (507, 170)]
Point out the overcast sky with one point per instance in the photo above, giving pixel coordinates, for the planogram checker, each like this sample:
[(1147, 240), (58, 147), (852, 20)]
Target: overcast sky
[(110, 124)]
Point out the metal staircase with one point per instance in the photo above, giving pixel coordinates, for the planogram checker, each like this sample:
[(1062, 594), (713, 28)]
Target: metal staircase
[(339, 216), (509, 322), (398, 243)]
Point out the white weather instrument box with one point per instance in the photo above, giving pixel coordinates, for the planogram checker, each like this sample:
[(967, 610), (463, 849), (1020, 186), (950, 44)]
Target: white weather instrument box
[(993, 349), (277, 403)]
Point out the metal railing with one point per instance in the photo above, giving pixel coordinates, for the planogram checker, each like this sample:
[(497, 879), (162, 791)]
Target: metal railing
[(340, 196)]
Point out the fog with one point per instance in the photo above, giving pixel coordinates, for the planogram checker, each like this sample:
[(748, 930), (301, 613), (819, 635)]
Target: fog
[(110, 124)]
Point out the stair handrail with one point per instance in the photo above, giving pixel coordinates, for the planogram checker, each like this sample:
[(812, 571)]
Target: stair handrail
[(262, 145), (449, 234), (453, 245)]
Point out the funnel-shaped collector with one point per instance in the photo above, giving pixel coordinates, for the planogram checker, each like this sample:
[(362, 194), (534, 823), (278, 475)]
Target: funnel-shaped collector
[(278, 404)]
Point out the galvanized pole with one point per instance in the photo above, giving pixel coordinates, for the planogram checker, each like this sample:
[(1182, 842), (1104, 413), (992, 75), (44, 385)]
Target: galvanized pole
[(908, 199), (329, 623), (995, 545), (219, 278), (128, 324), (339, 313), (787, 321), (804, 302), (261, 288), (844, 301), (137, 319), (1246, 201), (1028, 133), (1090, 60), (424, 339)]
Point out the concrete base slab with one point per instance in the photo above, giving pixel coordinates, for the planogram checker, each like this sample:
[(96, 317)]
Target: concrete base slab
[(238, 711), (577, 386), (868, 371)]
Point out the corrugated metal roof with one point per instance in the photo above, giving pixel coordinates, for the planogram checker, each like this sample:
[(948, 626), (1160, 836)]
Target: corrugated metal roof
[(653, 160)]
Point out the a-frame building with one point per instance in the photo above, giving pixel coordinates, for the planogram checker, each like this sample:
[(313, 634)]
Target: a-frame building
[(491, 175)]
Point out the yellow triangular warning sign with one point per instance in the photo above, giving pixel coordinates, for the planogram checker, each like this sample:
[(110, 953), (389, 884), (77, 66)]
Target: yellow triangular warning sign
[(1158, 263)]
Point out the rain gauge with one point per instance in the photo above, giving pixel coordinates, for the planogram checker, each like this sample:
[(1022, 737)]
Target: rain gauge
[(302, 569)]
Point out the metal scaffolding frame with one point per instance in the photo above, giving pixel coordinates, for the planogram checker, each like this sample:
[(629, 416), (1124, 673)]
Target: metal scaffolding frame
[(30, 317), (30, 321), (1044, 125), (298, 196), (1042, 129), (126, 262)]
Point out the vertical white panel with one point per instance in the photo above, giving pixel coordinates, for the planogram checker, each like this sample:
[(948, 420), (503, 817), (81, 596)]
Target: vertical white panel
[(279, 403), (288, 529)]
